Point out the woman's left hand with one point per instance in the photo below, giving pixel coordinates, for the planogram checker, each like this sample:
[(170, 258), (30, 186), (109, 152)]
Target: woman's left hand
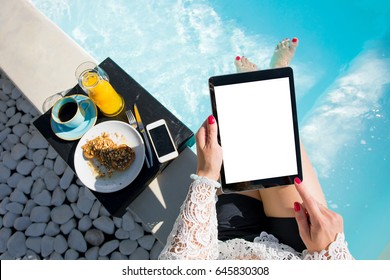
[(208, 150)]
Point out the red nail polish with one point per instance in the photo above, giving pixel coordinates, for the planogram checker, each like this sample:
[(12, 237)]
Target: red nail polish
[(294, 40), (238, 57), (297, 207), (211, 119), (297, 180)]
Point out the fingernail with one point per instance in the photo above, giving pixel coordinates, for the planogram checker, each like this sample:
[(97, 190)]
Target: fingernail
[(297, 207), (294, 40), (297, 181), (211, 119), (238, 57)]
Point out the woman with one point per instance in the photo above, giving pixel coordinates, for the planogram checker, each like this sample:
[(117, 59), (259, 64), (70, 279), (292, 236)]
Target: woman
[(290, 222)]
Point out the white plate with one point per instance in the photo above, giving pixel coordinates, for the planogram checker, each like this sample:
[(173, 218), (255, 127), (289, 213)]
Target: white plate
[(120, 133)]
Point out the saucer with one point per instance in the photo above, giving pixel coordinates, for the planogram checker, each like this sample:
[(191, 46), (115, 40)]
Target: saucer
[(69, 134)]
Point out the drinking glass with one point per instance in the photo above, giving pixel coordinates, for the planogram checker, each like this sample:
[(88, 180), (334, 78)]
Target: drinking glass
[(95, 82)]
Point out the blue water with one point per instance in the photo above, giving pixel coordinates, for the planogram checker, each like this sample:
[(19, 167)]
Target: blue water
[(342, 72)]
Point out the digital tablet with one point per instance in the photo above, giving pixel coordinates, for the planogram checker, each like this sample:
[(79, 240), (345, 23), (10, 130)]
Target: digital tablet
[(257, 129)]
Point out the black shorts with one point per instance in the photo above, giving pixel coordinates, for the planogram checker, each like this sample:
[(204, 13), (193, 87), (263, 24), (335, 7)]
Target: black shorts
[(241, 216)]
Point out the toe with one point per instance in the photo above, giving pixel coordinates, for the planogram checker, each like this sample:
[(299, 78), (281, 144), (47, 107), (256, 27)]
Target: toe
[(294, 42)]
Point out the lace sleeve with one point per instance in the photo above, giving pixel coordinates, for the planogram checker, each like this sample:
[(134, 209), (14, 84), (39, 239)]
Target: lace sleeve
[(194, 234), (338, 250)]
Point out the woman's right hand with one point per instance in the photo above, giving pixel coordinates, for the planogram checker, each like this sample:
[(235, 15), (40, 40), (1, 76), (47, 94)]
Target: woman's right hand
[(318, 226)]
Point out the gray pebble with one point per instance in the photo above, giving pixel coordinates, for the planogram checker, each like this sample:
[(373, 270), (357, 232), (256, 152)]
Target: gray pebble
[(40, 214), (94, 213), (76, 241), (128, 223), (26, 119), (30, 204), (60, 244), (14, 120), (59, 166), (22, 223), (139, 254), (12, 139), (92, 253), (55, 256), (49, 164), (85, 223), (105, 224), (25, 139), (25, 106), (58, 197), (38, 142), (51, 152), (5, 234), (72, 193), (61, 214), (66, 178), (156, 250), (51, 180), (9, 219), (14, 207), (25, 184), (108, 247), (16, 245), (9, 161), (25, 167), (37, 187), (5, 190), (120, 233), (18, 196), (43, 198), (14, 179), (47, 246), (10, 111), (68, 226), (127, 247), (94, 237), (52, 229), (137, 232), (84, 204), (34, 243), (35, 229), (4, 133), (146, 241), (5, 172), (3, 106), (117, 256), (3, 118), (71, 254), (39, 156), (31, 255), (20, 129)]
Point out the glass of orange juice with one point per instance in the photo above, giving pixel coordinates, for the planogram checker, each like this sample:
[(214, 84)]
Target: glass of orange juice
[(94, 81)]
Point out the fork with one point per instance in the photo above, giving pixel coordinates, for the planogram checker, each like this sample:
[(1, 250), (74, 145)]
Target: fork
[(133, 123)]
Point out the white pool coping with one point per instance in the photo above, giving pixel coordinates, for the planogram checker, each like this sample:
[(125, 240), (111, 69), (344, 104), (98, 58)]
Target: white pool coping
[(40, 59)]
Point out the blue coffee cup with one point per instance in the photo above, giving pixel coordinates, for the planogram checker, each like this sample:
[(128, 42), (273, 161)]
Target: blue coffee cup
[(69, 112)]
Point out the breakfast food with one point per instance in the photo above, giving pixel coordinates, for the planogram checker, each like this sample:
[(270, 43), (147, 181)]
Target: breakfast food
[(108, 154)]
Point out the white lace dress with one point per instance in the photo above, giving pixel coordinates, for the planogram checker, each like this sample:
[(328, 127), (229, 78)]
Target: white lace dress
[(195, 236)]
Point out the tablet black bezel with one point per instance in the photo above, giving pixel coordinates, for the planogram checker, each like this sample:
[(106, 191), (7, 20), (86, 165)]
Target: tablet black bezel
[(285, 72)]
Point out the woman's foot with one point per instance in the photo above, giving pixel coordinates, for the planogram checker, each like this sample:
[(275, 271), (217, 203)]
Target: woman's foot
[(244, 65), (284, 52)]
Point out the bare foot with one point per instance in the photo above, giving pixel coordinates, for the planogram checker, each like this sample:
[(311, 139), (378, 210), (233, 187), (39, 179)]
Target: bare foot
[(244, 65), (284, 52)]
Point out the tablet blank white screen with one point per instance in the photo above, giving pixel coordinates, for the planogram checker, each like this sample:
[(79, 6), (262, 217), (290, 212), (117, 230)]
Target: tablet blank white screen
[(256, 130)]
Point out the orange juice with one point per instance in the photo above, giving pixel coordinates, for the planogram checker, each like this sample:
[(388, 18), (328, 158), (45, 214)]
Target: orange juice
[(103, 94)]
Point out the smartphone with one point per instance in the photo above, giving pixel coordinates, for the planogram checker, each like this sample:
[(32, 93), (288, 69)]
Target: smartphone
[(162, 141)]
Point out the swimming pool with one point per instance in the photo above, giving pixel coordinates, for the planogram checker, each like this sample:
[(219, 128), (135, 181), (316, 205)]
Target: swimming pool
[(342, 71)]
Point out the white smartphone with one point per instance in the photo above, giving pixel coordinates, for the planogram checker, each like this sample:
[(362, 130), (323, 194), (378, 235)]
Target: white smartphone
[(162, 141)]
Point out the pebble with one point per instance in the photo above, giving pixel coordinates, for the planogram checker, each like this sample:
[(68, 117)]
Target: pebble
[(14, 207), (14, 120), (22, 223), (10, 111), (43, 198), (34, 243), (146, 241), (72, 193), (108, 247), (60, 244), (128, 221), (68, 226), (49, 164), (38, 142), (47, 245), (35, 229), (4, 133), (25, 139), (52, 229), (84, 204), (5, 234), (20, 129), (37, 187), (16, 245), (61, 214), (40, 214), (105, 224), (76, 241), (66, 178), (137, 232), (18, 196), (94, 213), (30, 204), (39, 156), (156, 250), (26, 119), (55, 256), (78, 214), (25, 167), (58, 197), (5, 172), (9, 161), (25, 106), (127, 247), (120, 233), (12, 139), (16, 93), (71, 254), (59, 166), (25, 185), (5, 190), (94, 237), (85, 223), (139, 254), (92, 253), (3, 106), (9, 219), (51, 180)]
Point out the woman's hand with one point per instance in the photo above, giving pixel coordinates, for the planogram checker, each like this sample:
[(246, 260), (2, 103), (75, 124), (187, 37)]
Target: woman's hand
[(208, 150), (318, 226)]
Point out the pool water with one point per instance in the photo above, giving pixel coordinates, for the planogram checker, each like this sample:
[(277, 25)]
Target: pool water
[(341, 68)]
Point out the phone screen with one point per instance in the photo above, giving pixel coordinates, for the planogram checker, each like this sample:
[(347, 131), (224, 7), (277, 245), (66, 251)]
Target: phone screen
[(162, 141)]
